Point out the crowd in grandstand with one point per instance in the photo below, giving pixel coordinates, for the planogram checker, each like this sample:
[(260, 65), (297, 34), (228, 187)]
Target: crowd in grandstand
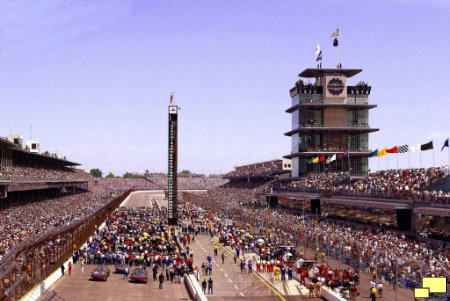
[(17, 173), (394, 183), (259, 169), (22, 222), (191, 182), (365, 247)]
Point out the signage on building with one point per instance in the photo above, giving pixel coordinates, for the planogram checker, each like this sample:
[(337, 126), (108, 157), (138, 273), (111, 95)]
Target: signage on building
[(335, 86)]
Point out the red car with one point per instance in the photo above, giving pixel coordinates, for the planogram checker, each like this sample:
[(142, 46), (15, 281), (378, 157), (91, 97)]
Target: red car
[(100, 273), (139, 275), (120, 268)]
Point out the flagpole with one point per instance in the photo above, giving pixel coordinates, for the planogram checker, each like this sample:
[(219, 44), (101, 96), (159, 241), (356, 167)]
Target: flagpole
[(409, 165), (433, 158), (420, 158), (387, 162), (397, 160)]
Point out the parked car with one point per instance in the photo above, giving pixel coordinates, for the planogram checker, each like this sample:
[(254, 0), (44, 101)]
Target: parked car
[(100, 273), (120, 268), (139, 275)]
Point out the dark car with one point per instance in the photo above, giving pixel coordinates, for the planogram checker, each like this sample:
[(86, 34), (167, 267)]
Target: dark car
[(120, 268), (100, 273), (139, 275)]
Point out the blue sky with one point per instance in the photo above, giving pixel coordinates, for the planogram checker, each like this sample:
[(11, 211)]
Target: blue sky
[(93, 78)]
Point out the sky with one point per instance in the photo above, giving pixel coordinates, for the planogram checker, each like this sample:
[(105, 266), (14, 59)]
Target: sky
[(93, 78)]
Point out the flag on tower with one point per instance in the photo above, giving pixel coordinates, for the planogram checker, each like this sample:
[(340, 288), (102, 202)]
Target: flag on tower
[(318, 49), (382, 152), (426, 146), (335, 33), (402, 149), (171, 97), (319, 56), (331, 159), (445, 145), (414, 149), (344, 155), (316, 159), (392, 150), (321, 159), (374, 153), (335, 42)]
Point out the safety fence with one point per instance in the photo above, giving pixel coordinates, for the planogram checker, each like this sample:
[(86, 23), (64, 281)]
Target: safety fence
[(35, 259)]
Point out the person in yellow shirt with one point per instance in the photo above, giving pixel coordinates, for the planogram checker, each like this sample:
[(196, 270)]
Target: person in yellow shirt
[(277, 271), (215, 250), (319, 289)]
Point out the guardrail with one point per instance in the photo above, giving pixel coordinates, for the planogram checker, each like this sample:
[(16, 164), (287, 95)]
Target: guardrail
[(194, 288), (35, 259)]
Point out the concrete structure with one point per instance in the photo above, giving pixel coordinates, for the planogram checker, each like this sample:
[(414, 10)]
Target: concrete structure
[(33, 146), (16, 139), (330, 117)]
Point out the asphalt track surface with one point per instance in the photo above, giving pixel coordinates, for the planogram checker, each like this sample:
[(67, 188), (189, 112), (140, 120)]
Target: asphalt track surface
[(79, 287), (229, 283)]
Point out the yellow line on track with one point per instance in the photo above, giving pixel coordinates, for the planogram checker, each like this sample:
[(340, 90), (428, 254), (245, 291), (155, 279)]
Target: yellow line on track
[(254, 273)]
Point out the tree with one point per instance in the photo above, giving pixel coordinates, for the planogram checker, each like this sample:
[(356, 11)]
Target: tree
[(95, 172), (185, 172), (127, 175), (110, 175)]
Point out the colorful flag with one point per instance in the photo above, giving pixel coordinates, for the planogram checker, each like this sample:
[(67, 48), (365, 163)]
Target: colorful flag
[(316, 159), (171, 97), (335, 33), (321, 159), (335, 42), (445, 145), (426, 146), (382, 152), (414, 149), (319, 56), (344, 155), (392, 150), (402, 149), (331, 159), (374, 153), (311, 161)]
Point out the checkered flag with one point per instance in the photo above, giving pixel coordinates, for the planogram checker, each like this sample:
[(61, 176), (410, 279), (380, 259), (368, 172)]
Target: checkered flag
[(402, 148)]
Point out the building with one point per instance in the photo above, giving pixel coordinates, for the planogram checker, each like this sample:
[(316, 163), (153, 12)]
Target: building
[(330, 118)]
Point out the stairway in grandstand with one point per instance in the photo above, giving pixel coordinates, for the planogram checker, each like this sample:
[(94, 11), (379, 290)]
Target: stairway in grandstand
[(345, 181), (161, 187), (440, 185)]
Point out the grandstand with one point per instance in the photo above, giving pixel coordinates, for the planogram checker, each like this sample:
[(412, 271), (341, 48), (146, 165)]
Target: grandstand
[(27, 177)]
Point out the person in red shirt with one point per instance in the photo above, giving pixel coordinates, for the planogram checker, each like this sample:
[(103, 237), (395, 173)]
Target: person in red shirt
[(70, 268)]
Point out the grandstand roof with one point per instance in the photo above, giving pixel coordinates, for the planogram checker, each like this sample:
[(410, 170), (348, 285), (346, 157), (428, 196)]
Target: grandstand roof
[(47, 159), (318, 72), (33, 156)]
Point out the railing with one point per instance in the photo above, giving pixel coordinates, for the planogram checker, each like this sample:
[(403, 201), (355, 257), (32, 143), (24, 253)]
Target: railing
[(38, 257), (387, 195), (334, 149)]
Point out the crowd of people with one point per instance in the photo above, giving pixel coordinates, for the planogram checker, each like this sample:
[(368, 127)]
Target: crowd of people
[(24, 222), (137, 237), (403, 183), (364, 248), (261, 169), (18, 173), (187, 182)]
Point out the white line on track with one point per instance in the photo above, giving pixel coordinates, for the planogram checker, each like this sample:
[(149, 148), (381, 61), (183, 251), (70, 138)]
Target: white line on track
[(235, 286), (221, 270), (226, 275), (242, 294), (230, 280)]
